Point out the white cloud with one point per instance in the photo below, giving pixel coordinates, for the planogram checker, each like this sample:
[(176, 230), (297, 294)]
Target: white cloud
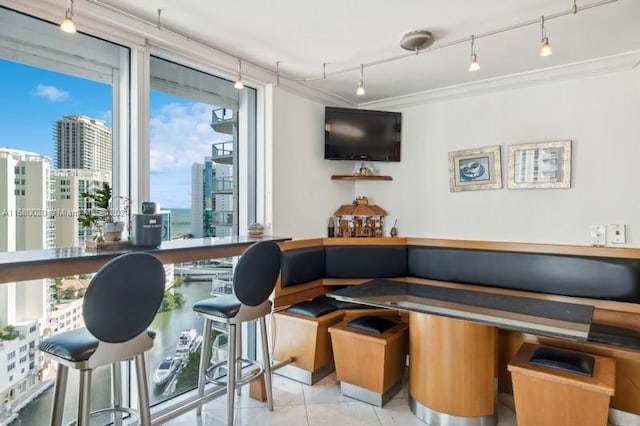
[(181, 135), (51, 93), (105, 116)]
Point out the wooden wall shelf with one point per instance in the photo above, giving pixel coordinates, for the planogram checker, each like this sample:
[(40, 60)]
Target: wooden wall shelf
[(358, 177)]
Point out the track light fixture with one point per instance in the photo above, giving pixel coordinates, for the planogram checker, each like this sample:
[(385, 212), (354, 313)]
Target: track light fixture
[(238, 83), (67, 24), (360, 90), (418, 42), (474, 65), (545, 47)]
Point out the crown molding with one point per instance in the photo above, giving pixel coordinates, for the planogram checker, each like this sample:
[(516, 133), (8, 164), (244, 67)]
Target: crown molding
[(605, 65)]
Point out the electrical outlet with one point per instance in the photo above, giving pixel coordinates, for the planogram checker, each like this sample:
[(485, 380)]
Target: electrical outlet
[(617, 234), (598, 235)]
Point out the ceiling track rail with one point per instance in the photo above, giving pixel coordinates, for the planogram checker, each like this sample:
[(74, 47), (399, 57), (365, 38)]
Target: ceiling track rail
[(278, 74)]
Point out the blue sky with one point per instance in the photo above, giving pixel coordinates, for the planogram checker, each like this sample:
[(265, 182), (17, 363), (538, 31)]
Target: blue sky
[(33, 99)]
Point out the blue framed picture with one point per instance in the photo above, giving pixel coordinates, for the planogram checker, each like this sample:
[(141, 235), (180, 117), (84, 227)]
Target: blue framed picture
[(475, 169)]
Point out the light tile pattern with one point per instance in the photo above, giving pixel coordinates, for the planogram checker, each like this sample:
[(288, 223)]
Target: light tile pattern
[(322, 404)]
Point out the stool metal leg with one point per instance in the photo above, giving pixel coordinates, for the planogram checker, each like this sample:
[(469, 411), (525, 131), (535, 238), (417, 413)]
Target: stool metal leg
[(239, 356), (205, 353), (266, 361), (116, 392), (59, 394), (84, 398), (144, 407), (231, 374)]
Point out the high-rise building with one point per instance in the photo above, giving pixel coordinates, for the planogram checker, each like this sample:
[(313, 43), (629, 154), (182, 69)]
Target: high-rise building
[(82, 143), (24, 200), (25, 224), (213, 190), (68, 185), (212, 213)]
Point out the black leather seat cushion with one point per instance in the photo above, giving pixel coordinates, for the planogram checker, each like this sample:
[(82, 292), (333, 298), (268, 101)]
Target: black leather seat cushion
[(371, 324), (366, 261), (612, 335), (221, 307), (559, 359), (340, 304), (312, 308), (301, 266), (579, 276), (75, 345)]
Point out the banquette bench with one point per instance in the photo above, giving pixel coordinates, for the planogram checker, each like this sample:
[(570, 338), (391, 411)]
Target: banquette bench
[(606, 278)]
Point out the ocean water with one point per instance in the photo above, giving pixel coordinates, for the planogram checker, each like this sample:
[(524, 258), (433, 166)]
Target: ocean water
[(180, 222)]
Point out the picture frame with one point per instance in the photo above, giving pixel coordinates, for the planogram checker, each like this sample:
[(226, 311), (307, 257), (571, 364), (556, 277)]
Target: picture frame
[(541, 165), (475, 169)]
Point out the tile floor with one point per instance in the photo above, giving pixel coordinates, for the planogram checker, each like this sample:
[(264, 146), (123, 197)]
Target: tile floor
[(322, 404)]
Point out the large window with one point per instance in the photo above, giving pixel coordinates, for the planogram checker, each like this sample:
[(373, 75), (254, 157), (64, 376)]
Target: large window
[(59, 123), (195, 171), (66, 128)]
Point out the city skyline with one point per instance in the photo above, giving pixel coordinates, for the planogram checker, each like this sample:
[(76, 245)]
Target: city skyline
[(179, 128)]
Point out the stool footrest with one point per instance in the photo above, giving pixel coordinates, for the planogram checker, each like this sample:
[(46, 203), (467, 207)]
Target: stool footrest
[(221, 381), (102, 411)]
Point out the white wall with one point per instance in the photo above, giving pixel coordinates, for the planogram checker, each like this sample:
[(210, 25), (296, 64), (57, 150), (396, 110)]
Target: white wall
[(304, 196), (599, 113)]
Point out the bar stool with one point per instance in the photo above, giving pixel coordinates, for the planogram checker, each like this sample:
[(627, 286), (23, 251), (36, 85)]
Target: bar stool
[(122, 299), (254, 279)]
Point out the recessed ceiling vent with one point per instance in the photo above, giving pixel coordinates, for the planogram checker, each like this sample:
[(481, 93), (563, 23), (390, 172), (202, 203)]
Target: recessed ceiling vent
[(416, 40)]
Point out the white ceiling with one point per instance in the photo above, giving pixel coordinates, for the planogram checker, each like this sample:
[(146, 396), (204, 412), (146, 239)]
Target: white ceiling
[(302, 35)]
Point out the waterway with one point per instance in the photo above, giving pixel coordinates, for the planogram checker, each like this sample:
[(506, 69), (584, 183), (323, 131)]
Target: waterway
[(168, 326)]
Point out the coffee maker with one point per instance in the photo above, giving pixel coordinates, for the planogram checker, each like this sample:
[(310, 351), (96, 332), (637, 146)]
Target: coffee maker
[(147, 227)]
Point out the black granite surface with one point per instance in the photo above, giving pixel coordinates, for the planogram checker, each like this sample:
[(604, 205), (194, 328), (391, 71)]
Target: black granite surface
[(537, 316)]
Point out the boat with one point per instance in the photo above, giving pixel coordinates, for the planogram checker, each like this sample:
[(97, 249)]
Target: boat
[(165, 370), (186, 342), (219, 348)]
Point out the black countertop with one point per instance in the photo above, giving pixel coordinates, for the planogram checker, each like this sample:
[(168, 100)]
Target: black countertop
[(530, 315)]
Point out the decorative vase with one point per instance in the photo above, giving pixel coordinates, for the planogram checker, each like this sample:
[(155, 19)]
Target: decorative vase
[(112, 231)]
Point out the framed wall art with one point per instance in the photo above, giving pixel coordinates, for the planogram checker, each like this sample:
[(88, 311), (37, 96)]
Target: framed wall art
[(475, 169), (540, 165)]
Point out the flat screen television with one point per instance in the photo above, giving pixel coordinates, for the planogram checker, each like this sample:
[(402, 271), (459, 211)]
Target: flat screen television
[(357, 134)]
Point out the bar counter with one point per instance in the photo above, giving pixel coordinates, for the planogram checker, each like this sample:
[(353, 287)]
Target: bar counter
[(453, 342), (56, 262)]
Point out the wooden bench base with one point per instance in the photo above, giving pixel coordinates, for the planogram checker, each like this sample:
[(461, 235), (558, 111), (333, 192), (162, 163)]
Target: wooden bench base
[(545, 396), (370, 367), (307, 341)]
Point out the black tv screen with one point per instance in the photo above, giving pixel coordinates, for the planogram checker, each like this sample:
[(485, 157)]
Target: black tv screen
[(357, 134)]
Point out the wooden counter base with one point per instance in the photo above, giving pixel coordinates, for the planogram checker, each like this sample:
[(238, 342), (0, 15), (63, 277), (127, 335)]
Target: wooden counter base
[(452, 370)]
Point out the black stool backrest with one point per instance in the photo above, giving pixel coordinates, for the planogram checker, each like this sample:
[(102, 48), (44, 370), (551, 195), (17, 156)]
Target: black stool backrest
[(256, 273), (124, 297)]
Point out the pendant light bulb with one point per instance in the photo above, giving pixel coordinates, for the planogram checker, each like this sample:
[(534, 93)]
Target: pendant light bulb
[(238, 83), (67, 24), (360, 90), (474, 65), (545, 47)]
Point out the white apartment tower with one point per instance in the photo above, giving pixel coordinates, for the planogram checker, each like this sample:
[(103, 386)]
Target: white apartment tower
[(25, 223), (82, 143), (68, 184)]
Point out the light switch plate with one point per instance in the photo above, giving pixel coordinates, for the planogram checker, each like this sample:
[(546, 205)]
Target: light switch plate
[(617, 234), (598, 235)]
